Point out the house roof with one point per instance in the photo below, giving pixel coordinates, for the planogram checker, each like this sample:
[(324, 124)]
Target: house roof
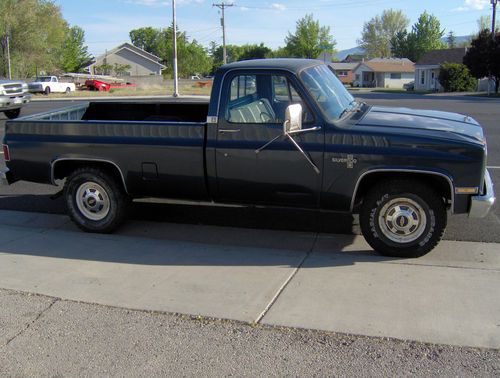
[(436, 57), (343, 66), (389, 65), (134, 49)]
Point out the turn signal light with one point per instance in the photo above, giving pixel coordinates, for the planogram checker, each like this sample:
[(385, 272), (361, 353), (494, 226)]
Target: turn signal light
[(6, 154)]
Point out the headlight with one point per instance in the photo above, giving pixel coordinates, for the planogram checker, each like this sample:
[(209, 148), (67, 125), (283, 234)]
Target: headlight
[(2, 92), (25, 87)]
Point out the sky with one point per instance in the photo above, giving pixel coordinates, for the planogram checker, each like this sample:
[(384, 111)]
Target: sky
[(107, 22)]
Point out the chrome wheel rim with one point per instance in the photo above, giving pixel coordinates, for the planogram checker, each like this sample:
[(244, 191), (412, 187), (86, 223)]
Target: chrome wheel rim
[(92, 201), (402, 220)]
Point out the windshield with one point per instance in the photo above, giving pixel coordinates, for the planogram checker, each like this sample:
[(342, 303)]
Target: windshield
[(44, 79), (327, 91)]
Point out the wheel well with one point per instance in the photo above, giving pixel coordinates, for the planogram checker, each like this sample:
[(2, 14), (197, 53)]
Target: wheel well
[(438, 183), (64, 168)]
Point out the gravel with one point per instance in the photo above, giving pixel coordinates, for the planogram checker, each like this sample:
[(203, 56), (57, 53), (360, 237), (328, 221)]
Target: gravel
[(65, 338)]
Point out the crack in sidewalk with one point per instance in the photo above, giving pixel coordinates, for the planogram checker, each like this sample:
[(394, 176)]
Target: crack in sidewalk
[(287, 281), (28, 326)]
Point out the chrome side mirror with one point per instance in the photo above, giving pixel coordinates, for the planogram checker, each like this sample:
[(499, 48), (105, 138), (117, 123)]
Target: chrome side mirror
[(293, 119)]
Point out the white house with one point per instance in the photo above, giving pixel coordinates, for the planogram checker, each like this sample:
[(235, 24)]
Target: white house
[(384, 73), (427, 68), (139, 62)]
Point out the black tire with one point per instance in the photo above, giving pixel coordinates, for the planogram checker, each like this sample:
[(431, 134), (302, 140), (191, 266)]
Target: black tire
[(13, 113), (403, 218), (102, 189), (68, 90), (47, 90)]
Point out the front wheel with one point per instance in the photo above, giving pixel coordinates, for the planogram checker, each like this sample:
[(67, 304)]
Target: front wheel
[(403, 218), (47, 90), (96, 202)]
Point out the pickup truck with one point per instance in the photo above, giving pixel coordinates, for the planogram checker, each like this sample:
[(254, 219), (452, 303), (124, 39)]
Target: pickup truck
[(277, 132), (13, 96), (49, 84)]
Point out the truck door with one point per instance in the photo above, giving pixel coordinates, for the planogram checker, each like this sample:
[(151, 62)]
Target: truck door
[(251, 114)]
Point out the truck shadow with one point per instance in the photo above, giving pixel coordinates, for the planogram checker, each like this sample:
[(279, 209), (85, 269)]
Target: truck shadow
[(189, 235)]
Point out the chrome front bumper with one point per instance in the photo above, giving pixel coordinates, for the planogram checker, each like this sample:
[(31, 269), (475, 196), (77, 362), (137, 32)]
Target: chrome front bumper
[(4, 172), (481, 205), (14, 102)]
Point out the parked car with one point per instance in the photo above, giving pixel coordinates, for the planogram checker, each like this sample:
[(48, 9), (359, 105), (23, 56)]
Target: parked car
[(49, 84), (316, 147), (13, 96), (409, 86)]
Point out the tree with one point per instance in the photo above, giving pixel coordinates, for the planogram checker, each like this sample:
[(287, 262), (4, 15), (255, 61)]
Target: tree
[(310, 39), (483, 57), (425, 36), (103, 69), (74, 52), (121, 69), (451, 40), (147, 38), (379, 31), (37, 32), (456, 77), (192, 57)]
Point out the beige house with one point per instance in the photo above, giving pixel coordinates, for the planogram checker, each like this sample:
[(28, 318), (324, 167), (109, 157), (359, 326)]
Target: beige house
[(140, 62), (384, 73)]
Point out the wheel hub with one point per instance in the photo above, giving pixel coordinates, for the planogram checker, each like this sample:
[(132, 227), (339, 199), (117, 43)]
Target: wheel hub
[(92, 201), (402, 220)]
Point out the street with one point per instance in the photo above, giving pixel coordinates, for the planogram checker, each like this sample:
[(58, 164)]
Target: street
[(24, 196), (230, 290)]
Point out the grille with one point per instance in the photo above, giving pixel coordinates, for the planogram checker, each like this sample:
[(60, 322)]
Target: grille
[(13, 88)]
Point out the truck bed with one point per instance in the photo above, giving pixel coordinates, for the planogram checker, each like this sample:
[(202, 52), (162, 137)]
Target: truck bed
[(157, 142)]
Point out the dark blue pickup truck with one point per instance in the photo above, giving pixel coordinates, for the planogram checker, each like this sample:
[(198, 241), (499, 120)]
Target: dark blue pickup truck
[(281, 132)]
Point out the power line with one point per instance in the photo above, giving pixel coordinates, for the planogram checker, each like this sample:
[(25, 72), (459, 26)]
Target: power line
[(222, 6)]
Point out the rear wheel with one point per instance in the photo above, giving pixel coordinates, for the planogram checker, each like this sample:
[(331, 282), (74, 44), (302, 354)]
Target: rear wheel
[(68, 90), (96, 202), (13, 113), (403, 218)]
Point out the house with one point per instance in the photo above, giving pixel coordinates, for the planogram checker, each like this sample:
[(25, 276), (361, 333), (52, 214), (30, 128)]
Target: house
[(133, 60), (344, 71), (384, 73), (427, 68), (354, 58)]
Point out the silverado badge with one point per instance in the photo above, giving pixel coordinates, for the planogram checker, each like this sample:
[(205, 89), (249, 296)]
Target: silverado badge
[(349, 160)]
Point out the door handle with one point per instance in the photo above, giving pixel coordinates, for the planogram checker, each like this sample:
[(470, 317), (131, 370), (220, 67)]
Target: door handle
[(229, 131)]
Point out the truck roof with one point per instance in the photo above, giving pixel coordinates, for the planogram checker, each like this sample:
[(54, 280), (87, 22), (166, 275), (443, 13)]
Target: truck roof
[(294, 65)]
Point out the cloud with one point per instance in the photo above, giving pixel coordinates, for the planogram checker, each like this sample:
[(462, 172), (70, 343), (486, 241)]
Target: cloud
[(278, 6), (472, 5)]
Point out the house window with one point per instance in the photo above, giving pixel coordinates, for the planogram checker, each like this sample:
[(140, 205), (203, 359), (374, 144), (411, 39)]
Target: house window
[(422, 77), (357, 77), (396, 75), (342, 73)]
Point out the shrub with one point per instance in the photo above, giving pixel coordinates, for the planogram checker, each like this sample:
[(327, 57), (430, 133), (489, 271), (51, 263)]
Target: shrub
[(456, 77)]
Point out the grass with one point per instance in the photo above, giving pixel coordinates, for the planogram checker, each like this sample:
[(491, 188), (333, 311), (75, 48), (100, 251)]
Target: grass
[(188, 88)]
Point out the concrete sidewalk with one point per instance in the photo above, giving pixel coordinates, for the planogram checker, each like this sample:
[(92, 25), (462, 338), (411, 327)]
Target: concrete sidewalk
[(306, 280)]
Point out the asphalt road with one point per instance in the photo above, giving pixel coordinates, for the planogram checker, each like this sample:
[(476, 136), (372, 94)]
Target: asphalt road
[(25, 196)]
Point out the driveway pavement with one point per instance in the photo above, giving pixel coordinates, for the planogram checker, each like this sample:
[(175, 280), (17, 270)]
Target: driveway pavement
[(306, 280)]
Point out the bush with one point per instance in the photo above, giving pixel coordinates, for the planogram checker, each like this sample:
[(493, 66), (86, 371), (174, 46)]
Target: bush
[(456, 77)]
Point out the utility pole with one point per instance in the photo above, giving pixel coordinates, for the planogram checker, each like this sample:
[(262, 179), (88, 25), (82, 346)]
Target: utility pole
[(222, 6), (174, 62), (8, 55), (493, 19)]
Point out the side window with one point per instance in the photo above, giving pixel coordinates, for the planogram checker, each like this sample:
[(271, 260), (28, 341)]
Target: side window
[(284, 94), (248, 102)]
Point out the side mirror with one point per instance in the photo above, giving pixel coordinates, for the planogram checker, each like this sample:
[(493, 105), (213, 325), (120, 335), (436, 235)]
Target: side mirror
[(293, 119)]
